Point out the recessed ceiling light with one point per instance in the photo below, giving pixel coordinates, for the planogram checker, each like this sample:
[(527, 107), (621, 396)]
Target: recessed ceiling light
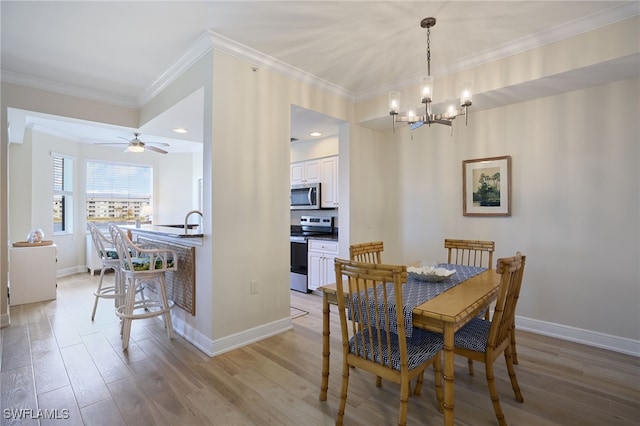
[(180, 130), (315, 134)]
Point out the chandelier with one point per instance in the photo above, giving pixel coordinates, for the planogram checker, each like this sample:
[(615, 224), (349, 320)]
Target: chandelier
[(453, 108)]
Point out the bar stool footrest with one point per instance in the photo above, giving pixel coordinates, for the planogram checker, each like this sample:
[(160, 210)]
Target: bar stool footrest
[(152, 309)]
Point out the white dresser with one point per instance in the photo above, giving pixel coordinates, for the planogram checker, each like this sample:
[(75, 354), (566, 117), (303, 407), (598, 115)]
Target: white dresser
[(32, 274)]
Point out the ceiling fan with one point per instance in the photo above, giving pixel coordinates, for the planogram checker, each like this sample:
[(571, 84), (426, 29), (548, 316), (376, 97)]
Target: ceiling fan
[(136, 145)]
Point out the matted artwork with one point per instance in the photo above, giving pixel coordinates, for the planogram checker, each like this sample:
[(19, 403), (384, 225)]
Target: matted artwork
[(486, 187)]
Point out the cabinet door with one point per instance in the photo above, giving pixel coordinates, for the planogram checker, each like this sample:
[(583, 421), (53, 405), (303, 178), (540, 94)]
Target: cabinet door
[(312, 171), (328, 270), (329, 182), (314, 270), (297, 173)]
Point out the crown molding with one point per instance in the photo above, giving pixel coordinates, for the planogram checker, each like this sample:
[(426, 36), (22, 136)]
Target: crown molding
[(65, 89), (190, 57), (579, 26), (210, 40)]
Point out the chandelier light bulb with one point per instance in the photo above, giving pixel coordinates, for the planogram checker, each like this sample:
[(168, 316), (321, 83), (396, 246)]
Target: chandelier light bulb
[(427, 89), (394, 103), (466, 93)]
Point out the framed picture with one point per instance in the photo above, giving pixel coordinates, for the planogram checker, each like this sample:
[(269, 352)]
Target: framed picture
[(486, 187)]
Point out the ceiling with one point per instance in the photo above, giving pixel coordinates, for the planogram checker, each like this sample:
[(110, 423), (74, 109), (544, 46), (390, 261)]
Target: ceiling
[(122, 52)]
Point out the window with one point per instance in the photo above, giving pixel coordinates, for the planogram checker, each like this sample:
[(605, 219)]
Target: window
[(62, 193), (117, 192)]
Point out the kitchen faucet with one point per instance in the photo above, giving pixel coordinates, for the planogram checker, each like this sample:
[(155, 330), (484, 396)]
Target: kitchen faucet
[(186, 221)]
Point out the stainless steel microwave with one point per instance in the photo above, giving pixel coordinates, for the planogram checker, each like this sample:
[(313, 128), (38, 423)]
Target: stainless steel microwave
[(305, 196)]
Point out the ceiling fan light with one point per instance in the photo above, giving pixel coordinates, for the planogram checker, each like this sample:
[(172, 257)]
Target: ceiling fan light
[(135, 148)]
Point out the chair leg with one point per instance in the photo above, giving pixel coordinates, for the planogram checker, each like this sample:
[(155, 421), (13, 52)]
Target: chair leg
[(128, 310), (343, 395), (165, 305), (437, 378), (470, 363), (378, 381), (514, 354), (512, 375), (418, 389), (405, 387), (493, 392), (98, 291)]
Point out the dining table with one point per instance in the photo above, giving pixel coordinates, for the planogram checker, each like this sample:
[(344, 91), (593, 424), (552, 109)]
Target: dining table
[(442, 307)]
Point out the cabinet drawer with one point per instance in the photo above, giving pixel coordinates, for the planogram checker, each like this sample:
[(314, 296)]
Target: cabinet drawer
[(323, 246)]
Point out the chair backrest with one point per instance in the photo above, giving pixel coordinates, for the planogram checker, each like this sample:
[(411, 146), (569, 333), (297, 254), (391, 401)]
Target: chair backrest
[(371, 331), (367, 252), (511, 270), (470, 252), (103, 245), (138, 259)]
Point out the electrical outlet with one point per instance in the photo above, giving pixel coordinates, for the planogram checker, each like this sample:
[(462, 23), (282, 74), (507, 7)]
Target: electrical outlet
[(253, 286)]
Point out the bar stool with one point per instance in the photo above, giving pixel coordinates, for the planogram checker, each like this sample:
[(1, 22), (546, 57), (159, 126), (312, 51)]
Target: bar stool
[(109, 258), (142, 267)]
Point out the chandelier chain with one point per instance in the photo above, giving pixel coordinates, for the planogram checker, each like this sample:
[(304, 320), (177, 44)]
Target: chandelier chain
[(428, 51)]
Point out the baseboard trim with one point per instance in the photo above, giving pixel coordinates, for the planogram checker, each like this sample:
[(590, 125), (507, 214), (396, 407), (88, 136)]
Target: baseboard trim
[(579, 335), (228, 343), (71, 271), (5, 320)]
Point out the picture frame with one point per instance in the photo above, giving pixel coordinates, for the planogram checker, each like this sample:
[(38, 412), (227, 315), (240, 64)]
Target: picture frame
[(486, 186)]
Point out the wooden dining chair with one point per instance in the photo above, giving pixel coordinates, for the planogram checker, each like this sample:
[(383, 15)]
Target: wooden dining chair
[(376, 341), (370, 252), (470, 252), (485, 341), (367, 252)]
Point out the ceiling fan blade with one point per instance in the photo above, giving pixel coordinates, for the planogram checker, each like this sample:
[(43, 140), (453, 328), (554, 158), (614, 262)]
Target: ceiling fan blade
[(157, 143), (153, 148), (110, 143)]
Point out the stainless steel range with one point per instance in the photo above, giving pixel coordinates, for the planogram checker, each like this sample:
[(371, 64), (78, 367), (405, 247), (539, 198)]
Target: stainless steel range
[(309, 226)]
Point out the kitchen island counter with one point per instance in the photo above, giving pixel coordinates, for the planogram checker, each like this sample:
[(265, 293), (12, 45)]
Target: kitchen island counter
[(166, 233)]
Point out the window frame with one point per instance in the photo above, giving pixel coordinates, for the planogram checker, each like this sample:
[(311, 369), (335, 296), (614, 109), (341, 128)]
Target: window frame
[(101, 222), (67, 192)]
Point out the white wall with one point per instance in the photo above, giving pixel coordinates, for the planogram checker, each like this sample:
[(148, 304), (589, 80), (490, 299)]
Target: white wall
[(575, 202)]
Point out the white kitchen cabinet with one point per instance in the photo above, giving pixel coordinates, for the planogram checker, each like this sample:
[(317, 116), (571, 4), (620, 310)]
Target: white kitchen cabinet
[(329, 189), (305, 172), (323, 170), (32, 274), (321, 255)]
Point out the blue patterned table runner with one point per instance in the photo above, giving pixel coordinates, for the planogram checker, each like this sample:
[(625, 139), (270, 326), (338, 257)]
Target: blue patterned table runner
[(415, 292)]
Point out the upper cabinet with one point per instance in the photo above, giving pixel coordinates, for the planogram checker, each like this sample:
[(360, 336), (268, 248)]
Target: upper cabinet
[(329, 194), (306, 172), (323, 170)]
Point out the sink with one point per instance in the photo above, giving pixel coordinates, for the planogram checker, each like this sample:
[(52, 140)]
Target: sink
[(181, 226)]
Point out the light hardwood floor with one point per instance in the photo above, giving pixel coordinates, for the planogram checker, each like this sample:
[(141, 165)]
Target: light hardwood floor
[(54, 358)]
